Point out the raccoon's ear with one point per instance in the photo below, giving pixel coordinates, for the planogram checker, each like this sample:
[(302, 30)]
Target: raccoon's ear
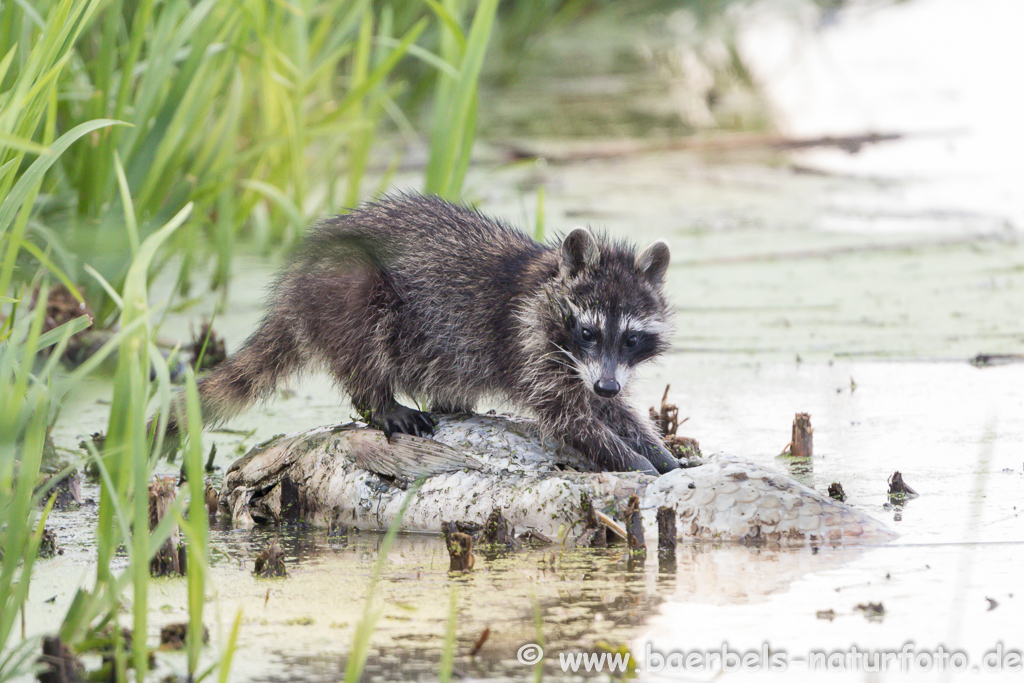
[(653, 261), (579, 252)]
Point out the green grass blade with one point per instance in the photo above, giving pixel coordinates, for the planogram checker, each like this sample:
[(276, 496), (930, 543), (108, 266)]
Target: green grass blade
[(197, 527), (135, 297), (130, 223), (455, 110), (538, 231), (450, 23), (364, 629), (229, 649), (448, 654), (25, 187)]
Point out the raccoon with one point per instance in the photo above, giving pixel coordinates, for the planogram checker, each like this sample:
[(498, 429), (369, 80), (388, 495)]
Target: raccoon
[(415, 295)]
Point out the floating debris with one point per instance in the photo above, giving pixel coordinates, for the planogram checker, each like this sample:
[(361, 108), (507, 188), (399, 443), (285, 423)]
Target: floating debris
[(988, 360), (484, 635), (873, 611), (826, 614)]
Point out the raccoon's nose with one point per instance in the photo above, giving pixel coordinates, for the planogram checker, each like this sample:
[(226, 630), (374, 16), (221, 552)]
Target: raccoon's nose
[(606, 387)]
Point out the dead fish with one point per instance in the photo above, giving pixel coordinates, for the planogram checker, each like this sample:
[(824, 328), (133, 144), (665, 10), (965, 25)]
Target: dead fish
[(351, 474)]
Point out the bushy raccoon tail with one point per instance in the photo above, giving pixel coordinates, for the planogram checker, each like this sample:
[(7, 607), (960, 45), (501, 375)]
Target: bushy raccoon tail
[(271, 353)]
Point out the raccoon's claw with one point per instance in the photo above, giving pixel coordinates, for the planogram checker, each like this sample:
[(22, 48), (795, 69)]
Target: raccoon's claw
[(402, 420)]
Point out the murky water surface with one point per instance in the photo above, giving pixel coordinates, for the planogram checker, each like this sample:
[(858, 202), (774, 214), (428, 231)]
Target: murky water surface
[(852, 288)]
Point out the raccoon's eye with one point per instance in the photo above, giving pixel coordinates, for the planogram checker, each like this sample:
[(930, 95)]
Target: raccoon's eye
[(632, 339), (587, 334)]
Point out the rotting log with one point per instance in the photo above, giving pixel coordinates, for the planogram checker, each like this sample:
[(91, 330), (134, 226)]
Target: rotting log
[(351, 475)]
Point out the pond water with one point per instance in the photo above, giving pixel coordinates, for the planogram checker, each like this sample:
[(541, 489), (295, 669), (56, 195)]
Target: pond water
[(854, 288)]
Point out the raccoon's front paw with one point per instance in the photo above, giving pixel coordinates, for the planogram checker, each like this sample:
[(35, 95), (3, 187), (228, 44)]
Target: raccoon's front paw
[(661, 458), (399, 419)]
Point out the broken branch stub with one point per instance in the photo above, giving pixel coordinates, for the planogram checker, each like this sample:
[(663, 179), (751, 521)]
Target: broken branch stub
[(170, 559), (802, 443), (270, 562), (498, 531), (635, 526), (666, 531), (460, 547)]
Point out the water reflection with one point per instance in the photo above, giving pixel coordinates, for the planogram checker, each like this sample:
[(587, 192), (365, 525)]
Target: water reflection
[(569, 600)]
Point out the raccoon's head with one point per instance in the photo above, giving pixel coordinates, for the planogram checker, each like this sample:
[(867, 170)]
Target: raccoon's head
[(612, 314)]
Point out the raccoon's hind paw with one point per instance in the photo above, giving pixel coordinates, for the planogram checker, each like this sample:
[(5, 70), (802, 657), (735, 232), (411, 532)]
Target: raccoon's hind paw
[(398, 419)]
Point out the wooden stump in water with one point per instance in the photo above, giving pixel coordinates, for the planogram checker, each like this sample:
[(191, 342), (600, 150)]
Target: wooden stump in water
[(48, 545), (270, 562), (59, 662), (666, 531), (170, 560), (802, 443), (212, 497), (498, 531), (594, 535), (635, 526), (460, 547), (899, 490), (175, 636), (65, 489)]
